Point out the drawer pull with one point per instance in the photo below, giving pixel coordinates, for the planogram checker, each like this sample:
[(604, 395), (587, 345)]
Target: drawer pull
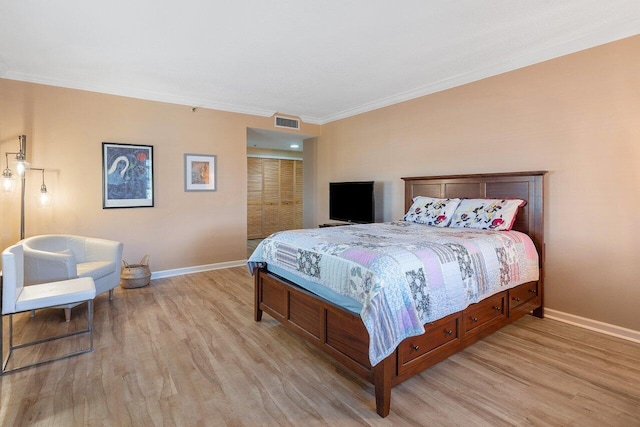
[(516, 299), (533, 291), (497, 308), (474, 319), (448, 331), (416, 347)]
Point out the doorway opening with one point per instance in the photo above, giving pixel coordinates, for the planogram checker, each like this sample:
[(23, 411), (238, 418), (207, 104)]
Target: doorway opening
[(276, 182)]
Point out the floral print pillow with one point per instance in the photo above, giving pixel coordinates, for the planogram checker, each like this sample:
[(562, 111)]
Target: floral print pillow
[(431, 211), (486, 214)]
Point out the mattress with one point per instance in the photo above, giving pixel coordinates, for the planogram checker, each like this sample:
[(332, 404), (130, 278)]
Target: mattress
[(399, 275)]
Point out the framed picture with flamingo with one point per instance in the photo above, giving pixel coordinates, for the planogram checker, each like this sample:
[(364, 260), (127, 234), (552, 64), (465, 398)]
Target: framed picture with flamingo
[(127, 175)]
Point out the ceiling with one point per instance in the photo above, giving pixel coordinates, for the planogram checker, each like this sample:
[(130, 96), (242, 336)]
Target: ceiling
[(262, 138), (318, 60)]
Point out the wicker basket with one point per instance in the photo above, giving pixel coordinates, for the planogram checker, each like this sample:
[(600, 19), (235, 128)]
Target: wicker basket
[(135, 275)]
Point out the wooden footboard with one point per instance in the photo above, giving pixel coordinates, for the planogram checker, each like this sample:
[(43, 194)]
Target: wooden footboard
[(342, 334)]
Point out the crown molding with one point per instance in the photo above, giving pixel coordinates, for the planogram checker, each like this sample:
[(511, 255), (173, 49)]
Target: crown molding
[(139, 94), (587, 41), (145, 95)]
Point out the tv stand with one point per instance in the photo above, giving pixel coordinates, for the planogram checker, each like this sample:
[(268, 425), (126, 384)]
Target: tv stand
[(335, 224)]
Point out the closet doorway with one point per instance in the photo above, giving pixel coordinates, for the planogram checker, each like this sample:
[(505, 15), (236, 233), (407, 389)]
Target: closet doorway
[(275, 183)]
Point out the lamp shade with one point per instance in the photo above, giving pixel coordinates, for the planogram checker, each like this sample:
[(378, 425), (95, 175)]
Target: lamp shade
[(21, 167), (44, 199), (8, 184)]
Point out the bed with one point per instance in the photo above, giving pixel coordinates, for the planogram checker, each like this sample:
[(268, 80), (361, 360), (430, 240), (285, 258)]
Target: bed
[(348, 334)]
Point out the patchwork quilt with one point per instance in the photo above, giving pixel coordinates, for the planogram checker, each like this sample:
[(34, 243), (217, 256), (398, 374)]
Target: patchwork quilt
[(404, 274)]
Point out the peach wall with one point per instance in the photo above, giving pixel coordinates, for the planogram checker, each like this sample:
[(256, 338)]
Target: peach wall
[(65, 129), (577, 117)]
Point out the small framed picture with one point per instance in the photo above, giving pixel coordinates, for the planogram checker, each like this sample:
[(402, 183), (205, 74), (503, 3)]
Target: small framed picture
[(127, 175), (199, 172)]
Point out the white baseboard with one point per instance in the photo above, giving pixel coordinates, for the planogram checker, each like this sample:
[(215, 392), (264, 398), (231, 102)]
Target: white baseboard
[(593, 325), (197, 269)]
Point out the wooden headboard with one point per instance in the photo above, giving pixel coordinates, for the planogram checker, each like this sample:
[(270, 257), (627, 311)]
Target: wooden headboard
[(519, 185)]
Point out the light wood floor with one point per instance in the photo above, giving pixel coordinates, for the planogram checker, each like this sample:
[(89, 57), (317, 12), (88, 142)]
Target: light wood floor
[(185, 351)]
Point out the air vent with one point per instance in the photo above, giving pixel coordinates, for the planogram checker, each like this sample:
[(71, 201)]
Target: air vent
[(285, 122)]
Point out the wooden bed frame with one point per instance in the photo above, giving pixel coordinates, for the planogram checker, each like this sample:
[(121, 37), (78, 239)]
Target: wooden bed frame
[(343, 335)]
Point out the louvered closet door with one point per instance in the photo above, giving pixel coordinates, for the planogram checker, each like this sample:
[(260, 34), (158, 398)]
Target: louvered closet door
[(274, 196), (286, 195), (297, 194), (254, 198), (271, 196)]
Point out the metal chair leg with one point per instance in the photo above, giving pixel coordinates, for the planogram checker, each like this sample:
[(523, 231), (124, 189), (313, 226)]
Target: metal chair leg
[(90, 317), (12, 347), (10, 332)]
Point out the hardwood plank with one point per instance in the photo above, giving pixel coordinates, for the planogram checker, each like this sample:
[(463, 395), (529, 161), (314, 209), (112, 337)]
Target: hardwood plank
[(186, 351)]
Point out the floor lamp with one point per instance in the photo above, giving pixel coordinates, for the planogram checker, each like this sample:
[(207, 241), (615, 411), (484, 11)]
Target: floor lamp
[(22, 166)]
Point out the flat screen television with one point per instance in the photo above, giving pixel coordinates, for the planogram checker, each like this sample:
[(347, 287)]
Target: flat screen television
[(352, 201)]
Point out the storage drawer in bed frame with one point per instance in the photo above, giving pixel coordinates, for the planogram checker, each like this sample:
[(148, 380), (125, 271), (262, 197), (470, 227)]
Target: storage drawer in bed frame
[(440, 337), (343, 335), (483, 314)]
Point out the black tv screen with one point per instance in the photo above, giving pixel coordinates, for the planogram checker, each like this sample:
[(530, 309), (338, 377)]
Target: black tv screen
[(352, 201)]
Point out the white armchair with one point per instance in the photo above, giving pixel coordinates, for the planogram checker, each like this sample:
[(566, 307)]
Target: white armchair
[(17, 298), (54, 257)]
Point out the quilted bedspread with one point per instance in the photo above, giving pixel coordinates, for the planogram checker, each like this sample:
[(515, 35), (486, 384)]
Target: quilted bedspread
[(404, 274)]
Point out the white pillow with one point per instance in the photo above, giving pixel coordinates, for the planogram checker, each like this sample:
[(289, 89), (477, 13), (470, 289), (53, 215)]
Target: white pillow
[(487, 214), (431, 211)]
